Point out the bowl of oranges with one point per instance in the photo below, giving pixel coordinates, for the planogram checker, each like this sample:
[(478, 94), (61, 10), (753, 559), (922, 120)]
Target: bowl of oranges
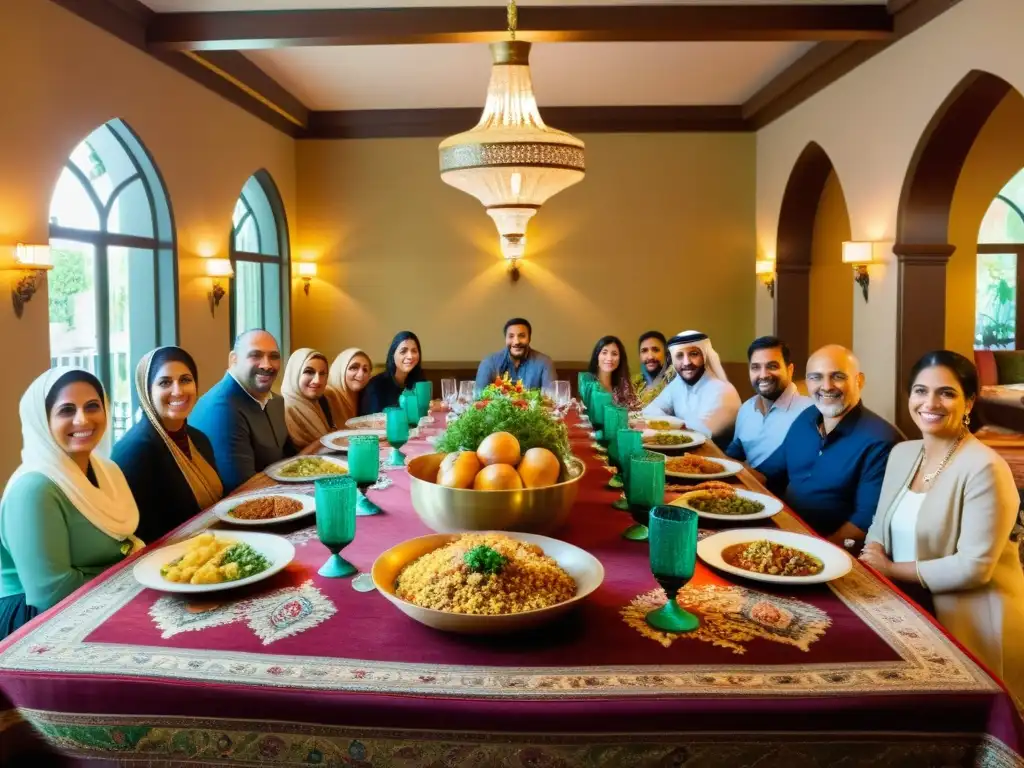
[(497, 487)]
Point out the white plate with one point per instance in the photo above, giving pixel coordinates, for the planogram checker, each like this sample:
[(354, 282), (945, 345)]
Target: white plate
[(772, 506), (338, 441), (730, 468), (837, 562), (223, 509), (277, 549), (274, 470), (375, 421), (696, 439), (640, 421)]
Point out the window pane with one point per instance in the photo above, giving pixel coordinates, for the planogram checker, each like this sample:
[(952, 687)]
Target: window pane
[(248, 296), (247, 237), (72, 288), (71, 205), (120, 339), (131, 213), (996, 301)]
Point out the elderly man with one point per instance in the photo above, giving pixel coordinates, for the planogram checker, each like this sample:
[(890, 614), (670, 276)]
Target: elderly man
[(831, 464), (655, 371), (517, 359), (764, 420), (240, 416), (700, 395)]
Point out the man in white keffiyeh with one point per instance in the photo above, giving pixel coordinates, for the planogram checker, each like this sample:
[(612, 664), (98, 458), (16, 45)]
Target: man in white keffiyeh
[(701, 394)]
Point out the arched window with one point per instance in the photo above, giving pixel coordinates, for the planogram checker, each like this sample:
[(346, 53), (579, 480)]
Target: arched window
[(113, 285), (1000, 250), (259, 255)]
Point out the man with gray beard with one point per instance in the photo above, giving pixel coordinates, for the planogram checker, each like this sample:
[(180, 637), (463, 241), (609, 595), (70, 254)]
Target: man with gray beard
[(829, 469)]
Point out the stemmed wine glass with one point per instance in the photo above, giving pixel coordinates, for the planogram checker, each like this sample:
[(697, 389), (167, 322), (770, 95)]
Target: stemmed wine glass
[(336, 522), (644, 489), (397, 433), (585, 382), (449, 391), (615, 418), (424, 394), (409, 403), (563, 397), (599, 400), (673, 549), (629, 443), (467, 391), (364, 467)]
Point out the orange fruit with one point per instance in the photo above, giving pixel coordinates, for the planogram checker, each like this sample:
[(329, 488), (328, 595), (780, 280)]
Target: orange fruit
[(539, 468), (499, 448), (497, 477), (458, 470)]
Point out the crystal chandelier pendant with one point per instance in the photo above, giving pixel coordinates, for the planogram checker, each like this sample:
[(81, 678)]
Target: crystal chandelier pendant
[(511, 161)]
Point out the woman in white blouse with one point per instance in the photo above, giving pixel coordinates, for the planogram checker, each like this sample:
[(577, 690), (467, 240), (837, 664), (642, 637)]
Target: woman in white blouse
[(944, 518)]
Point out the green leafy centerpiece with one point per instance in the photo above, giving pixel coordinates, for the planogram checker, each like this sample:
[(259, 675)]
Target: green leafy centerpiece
[(503, 387), (532, 427)]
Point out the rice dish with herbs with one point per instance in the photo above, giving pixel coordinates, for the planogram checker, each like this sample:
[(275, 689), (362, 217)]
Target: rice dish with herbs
[(486, 574)]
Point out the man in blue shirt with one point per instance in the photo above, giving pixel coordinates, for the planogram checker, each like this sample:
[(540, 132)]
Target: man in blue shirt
[(829, 468), (518, 360), (764, 420)]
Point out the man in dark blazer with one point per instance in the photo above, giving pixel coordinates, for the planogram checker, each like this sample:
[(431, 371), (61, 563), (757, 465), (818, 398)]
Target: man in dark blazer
[(240, 415)]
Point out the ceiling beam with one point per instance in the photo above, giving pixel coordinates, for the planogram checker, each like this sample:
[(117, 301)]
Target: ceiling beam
[(247, 30)]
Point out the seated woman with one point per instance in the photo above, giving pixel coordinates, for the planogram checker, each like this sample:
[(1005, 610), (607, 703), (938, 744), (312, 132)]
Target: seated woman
[(609, 365), (348, 376), (944, 517), (402, 370), (67, 513), (308, 407), (168, 464)]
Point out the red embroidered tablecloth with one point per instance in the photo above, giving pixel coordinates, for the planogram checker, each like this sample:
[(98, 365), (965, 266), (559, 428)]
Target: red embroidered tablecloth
[(306, 669)]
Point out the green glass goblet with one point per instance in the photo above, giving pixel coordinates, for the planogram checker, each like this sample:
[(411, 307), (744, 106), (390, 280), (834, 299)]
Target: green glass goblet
[(424, 393), (409, 403), (600, 399), (644, 489), (585, 385), (629, 442), (364, 468), (396, 429), (615, 418), (673, 549), (336, 522)]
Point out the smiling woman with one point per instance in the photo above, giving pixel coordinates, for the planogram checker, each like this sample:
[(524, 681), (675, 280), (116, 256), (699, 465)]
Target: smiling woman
[(308, 405)]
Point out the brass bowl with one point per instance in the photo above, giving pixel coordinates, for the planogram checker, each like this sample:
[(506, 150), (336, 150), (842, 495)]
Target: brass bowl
[(449, 510), (584, 568)]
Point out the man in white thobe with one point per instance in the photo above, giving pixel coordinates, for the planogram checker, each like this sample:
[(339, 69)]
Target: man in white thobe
[(700, 395)]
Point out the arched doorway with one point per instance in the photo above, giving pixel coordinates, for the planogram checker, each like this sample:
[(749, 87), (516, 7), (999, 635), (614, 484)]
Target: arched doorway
[(922, 229), (804, 238)]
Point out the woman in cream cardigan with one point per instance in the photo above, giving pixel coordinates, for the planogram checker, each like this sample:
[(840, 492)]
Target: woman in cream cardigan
[(944, 518)]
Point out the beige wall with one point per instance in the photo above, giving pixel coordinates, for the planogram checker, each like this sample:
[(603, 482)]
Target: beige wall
[(997, 155), (869, 123), (831, 310), (60, 78), (658, 235)]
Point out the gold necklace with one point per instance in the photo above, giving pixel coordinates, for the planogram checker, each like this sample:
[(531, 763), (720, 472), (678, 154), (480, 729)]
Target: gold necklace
[(930, 477)]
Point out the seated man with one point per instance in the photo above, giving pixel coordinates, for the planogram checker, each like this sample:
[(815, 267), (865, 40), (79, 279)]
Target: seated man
[(517, 359), (655, 370), (829, 468), (700, 395), (764, 420), (240, 416)]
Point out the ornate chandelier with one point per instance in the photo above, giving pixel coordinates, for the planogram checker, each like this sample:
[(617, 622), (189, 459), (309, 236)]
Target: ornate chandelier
[(511, 161)]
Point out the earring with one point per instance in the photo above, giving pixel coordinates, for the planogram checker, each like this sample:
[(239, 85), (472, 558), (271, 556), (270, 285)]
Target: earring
[(967, 419)]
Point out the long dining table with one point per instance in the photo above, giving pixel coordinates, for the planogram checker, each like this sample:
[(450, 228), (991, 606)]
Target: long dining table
[(305, 670)]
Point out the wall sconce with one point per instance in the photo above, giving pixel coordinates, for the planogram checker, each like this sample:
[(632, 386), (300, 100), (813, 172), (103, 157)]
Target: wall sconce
[(765, 270), (34, 262), (860, 253), (306, 270), (513, 247), (217, 269)]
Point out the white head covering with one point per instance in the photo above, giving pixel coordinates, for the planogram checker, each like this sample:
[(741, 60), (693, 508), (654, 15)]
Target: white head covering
[(110, 507), (712, 362)]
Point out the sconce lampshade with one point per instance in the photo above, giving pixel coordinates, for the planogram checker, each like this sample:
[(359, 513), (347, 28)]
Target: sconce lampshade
[(27, 255), (858, 252), (764, 267), (219, 268), (306, 269)]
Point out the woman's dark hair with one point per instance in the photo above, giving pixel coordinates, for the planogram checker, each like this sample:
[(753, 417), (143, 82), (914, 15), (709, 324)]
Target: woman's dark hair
[(416, 374), (964, 370), (621, 373), (166, 355), (73, 377)]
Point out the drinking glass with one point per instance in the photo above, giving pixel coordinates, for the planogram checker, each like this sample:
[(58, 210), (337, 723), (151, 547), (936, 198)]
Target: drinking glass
[(600, 398), (615, 418), (673, 549), (584, 385), (409, 403), (467, 390), (364, 468), (563, 397), (336, 522), (629, 442), (397, 432), (449, 391), (645, 489), (424, 394)]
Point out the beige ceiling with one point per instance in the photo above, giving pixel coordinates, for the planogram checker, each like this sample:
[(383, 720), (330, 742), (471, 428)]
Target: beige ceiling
[(168, 6), (564, 74)]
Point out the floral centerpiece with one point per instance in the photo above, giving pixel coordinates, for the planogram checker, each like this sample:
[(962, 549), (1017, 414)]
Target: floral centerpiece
[(504, 388)]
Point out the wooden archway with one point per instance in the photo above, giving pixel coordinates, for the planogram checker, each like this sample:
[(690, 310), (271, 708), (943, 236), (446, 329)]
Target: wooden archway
[(793, 250), (922, 243)]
